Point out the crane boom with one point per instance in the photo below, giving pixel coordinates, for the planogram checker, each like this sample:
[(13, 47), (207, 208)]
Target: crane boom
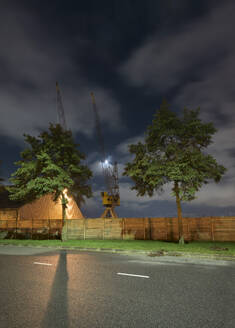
[(60, 108)]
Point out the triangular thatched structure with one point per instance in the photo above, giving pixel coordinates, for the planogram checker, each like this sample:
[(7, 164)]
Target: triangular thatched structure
[(46, 208), (42, 208)]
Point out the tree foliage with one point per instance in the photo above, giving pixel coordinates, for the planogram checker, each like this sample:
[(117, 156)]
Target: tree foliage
[(51, 163), (173, 151)]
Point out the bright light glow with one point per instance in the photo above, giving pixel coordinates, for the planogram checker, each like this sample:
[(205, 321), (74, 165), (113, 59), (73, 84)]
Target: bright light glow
[(69, 204), (106, 163)]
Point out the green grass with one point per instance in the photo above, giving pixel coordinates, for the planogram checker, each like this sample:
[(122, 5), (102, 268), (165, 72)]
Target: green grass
[(144, 245)]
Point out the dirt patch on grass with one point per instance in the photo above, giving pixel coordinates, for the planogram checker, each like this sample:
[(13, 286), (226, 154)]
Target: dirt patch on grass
[(157, 253), (217, 248)]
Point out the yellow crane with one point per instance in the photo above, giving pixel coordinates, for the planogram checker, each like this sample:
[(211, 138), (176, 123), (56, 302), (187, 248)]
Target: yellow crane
[(110, 197)]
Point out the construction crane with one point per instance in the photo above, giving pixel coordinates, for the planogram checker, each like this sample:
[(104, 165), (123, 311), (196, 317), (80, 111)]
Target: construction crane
[(110, 197), (60, 108)]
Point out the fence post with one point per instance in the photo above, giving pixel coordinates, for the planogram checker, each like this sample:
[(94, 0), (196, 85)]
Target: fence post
[(123, 228), (166, 227), (188, 227), (189, 231), (84, 229), (103, 227), (61, 225), (212, 230), (49, 228), (144, 227), (150, 229), (32, 228), (16, 223)]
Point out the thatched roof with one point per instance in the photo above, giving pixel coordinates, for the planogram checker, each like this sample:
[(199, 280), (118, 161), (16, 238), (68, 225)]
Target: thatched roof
[(5, 201)]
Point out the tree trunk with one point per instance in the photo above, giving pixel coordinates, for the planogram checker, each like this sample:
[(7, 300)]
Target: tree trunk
[(63, 213), (63, 232), (63, 209), (179, 213)]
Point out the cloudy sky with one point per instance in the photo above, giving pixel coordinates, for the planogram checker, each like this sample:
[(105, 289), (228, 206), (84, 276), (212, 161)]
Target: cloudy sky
[(131, 54)]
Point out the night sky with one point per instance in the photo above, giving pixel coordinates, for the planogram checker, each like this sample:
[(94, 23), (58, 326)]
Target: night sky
[(131, 54)]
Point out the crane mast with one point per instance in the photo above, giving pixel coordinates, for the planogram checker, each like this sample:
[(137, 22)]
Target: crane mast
[(110, 198), (98, 128), (60, 108)]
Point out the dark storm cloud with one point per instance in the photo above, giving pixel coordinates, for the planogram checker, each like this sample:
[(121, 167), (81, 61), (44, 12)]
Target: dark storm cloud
[(164, 61), (31, 60)]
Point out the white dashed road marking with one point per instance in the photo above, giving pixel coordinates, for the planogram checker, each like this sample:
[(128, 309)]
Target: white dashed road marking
[(42, 263), (132, 275)]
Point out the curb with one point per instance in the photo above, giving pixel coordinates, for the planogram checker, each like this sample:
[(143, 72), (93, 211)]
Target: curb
[(157, 254)]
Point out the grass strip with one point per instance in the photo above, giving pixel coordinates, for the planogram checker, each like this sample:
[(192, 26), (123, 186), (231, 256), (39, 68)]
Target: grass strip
[(200, 247)]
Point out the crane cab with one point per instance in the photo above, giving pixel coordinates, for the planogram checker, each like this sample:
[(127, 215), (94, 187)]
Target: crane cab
[(110, 200)]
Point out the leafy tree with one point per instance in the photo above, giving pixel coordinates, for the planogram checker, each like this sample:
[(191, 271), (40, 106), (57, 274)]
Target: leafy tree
[(173, 151), (51, 164)]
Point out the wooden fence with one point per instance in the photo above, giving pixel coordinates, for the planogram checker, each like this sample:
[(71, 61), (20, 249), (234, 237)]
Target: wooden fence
[(30, 229), (205, 228), (9, 214)]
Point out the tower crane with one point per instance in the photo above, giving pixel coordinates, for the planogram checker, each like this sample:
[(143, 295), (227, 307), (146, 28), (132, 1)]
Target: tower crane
[(60, 108), (62, 122), (110, 197)]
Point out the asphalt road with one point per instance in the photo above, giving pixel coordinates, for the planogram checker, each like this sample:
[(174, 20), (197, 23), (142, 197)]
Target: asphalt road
[(88, 289)]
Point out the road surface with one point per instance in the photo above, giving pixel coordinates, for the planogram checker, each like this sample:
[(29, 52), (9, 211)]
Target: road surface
[(49, 288)]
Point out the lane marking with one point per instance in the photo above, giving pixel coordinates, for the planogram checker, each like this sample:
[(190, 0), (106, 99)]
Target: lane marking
[(42, 263), (132, 275)]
